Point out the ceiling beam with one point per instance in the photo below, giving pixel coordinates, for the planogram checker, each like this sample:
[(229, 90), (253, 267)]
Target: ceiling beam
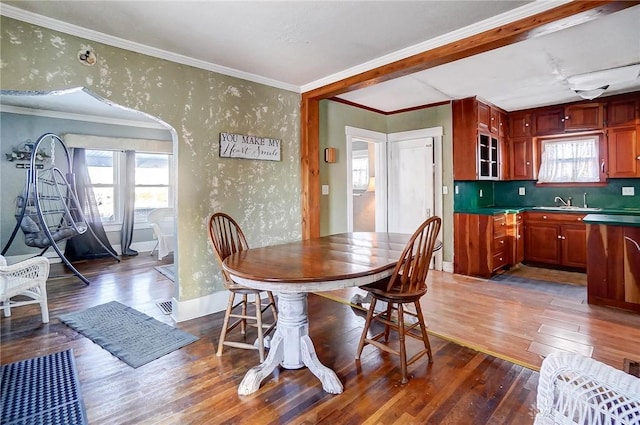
[(548, 22)]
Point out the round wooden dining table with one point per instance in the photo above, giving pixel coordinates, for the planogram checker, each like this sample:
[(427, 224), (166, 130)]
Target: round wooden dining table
[(294, 269)]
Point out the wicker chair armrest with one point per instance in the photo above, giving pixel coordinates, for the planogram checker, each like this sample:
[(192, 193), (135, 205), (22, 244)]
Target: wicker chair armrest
[(577, 389), (17, 277)]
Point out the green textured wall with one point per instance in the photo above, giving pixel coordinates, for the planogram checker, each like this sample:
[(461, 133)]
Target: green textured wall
[(264, 196)]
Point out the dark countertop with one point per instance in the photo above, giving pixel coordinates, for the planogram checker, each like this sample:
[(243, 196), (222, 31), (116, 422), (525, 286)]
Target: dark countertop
[(630, 212), (613, 219)]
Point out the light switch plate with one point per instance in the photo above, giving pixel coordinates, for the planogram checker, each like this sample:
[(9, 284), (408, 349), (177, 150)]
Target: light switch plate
[(628, 191), (521, 191), (445, 190), (325, 189), (481, 193)]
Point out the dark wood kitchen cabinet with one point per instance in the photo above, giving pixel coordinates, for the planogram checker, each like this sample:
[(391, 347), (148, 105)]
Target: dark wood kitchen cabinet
[(548, 121), (622, 113), (515, 228), (478, 149), (613, 271), (584, 116), (624, 152), (482, 244), (556, 239), (521, 147)]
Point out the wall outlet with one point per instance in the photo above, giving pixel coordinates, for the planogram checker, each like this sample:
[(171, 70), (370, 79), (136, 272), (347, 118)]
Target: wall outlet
[(457, 190), (481, 193), (521, 191), (628, 191), (325, 189), (445, 190)]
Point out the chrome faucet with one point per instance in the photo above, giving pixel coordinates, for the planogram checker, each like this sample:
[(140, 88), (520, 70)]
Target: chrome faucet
[(566, 204)]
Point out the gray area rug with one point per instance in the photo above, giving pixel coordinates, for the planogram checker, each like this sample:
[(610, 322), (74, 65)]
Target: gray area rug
[(42, 390), (128, 334), (168, 271), (560, 289)]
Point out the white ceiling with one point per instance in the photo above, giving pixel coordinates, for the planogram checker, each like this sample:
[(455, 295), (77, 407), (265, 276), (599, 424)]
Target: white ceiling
[(304, 45)]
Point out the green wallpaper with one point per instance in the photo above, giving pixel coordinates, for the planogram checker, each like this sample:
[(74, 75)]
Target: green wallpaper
[(264, 196)]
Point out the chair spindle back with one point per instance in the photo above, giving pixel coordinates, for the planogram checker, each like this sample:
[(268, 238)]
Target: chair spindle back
[(226, 238), (410, 273)]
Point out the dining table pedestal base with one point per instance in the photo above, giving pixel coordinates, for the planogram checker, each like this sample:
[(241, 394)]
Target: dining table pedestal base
[(291, 348)]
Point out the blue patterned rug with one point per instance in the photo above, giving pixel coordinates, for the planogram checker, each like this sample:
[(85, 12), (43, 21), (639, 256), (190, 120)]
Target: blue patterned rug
[(128, 334), (555, 288), (42, 390)]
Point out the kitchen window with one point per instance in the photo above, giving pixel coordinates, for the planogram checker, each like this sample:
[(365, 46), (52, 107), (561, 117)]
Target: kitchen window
[(570, 160)]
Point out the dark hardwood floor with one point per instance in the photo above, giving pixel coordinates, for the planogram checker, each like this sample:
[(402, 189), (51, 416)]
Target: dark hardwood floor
[(193, 386)]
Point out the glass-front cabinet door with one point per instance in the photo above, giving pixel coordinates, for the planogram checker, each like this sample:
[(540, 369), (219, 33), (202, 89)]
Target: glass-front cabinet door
[(488, 154)]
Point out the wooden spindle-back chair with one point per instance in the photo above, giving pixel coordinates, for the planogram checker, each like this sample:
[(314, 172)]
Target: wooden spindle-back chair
[(406, 285), (227, 238)]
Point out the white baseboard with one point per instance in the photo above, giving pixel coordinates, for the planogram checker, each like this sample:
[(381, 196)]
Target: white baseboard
[(447, 266), (199, 307)]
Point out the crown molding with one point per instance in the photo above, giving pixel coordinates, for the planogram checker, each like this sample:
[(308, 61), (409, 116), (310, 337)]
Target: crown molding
[(528, 10), (78, 31), (79, 117)]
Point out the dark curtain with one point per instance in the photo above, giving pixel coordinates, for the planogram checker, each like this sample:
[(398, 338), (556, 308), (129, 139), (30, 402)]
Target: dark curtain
[(126, 234), (85, 246)]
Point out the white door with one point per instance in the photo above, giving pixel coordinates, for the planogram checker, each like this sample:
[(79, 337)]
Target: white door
[(410, 183)]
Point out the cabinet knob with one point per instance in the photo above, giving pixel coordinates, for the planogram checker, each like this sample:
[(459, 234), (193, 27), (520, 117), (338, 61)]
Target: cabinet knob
[(564, 237), (566, 117), (638, 158), (559, 237), (544, 217)]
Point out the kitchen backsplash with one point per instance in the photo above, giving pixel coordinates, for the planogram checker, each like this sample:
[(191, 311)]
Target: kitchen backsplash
[(480, 194)]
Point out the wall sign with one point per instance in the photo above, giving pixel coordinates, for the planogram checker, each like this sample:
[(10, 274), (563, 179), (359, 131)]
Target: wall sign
[(249, 147)]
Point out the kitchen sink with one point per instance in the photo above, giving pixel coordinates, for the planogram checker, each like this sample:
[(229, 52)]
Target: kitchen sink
[(568, 208)]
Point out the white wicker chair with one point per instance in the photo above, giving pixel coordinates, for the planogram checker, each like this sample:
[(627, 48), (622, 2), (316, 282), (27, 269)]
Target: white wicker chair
[(574, 389), (162, 221), (29, 280)]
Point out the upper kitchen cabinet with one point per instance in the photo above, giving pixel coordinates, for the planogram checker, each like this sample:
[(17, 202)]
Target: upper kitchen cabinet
[(477, 146), (548, 121), (576, 117), (623, 143), (622, 113), (521, 147), (584, 116), (624, 152)]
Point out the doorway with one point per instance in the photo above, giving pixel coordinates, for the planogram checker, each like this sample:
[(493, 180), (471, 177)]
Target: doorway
[(393, 179)]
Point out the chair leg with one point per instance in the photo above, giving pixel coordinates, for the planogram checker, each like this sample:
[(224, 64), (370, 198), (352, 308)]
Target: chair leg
[(367, 323), (403, 350), (243, 322), (44, 306), (225, 323), (259, 326), (274, 308), (387, 328), (423, 329)]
